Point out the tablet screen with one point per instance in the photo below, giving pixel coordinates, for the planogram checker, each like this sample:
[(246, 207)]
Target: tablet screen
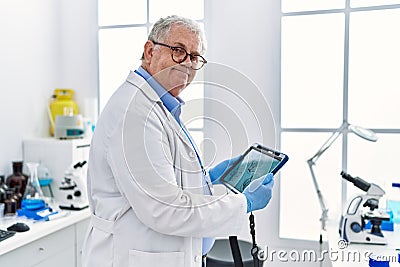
[(254, 164)]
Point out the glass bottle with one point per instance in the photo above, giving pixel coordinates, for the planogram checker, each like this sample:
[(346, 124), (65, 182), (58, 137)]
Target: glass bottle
[(18, 197), (3, 183), (10, 203), (33, 197), (3, 188), (17, 178), (33, 189)]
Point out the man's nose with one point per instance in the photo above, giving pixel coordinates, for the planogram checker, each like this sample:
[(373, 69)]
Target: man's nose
[(187, 62)]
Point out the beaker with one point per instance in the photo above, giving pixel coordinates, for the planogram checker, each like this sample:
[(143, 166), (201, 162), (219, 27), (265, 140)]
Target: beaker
[(33, 190)]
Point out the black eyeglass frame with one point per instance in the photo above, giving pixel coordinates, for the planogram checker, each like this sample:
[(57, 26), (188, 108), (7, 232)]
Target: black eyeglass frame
[(173, 48)]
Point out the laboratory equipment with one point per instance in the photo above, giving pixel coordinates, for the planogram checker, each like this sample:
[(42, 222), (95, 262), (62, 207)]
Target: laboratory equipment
[(362, 208), (2, 206), (73, 188), (3, 189), (393, 201), (33, 193), (62, 104), (17, 178), (359, 131), (378, 261), (33, 204), (57, 155), (10, 204), (69, 127), (45, 180), (90, 113), (56, 216)]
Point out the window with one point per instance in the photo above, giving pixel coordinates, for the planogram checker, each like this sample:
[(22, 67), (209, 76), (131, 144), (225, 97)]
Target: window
[(339, 63), (123, 29)]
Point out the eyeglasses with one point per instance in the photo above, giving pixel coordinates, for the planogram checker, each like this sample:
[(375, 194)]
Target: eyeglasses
[(179, 55)]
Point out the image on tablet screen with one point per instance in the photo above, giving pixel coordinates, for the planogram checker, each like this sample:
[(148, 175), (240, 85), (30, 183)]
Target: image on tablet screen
[(253, 166)]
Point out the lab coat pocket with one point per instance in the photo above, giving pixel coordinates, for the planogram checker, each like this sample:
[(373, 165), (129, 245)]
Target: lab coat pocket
[(165, 259)]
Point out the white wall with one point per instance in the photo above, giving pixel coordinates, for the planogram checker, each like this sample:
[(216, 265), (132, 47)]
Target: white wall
[(246, 36), (44, 44), (79, 48)]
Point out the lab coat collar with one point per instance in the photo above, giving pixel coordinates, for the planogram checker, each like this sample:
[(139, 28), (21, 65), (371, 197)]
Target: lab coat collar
[(173, 104), (140, 83)]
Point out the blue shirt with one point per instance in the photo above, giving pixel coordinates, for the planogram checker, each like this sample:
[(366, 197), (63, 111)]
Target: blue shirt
[(170, 102), (173, 105)]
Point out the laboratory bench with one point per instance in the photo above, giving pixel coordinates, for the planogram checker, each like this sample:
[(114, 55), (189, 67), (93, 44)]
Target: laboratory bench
[(48, 243), (346, 255)]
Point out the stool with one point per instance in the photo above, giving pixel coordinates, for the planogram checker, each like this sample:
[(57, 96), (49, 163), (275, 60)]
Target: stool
[(221, 255)]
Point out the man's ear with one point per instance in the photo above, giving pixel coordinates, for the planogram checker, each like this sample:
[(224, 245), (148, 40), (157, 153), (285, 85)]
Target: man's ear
[(148, 51)]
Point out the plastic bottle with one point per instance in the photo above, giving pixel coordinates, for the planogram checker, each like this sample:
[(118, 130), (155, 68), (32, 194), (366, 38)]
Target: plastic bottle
[(62, 101), (393, 201)]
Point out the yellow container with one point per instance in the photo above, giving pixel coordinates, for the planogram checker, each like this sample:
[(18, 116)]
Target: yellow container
[(62, 105)]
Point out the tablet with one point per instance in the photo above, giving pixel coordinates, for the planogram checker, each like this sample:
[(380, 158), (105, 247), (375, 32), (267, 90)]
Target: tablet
[(256, 162)]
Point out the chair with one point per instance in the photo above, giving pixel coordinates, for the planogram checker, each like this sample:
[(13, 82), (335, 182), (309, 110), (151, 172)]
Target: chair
[(221, 256)]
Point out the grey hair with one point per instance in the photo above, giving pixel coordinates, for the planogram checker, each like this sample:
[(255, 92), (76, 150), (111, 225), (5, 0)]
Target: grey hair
[(160, 30)]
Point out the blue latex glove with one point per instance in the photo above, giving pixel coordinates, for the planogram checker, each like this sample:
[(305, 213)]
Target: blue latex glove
[(259, 192), (217, 171)]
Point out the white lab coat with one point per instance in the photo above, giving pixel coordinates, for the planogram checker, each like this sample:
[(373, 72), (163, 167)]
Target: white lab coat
[(145, 188)]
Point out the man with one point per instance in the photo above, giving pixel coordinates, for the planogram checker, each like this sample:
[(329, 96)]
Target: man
[(150, 197)]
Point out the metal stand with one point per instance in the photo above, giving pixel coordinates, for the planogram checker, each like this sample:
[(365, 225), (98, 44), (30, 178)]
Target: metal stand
[(311, 163), (359, 131)]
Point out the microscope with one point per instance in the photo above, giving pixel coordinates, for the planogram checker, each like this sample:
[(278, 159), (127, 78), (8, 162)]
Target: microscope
[(73, 188), (362, 208)]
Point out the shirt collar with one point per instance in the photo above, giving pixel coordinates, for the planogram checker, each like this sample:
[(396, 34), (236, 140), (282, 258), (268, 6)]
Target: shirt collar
[(173, 104)]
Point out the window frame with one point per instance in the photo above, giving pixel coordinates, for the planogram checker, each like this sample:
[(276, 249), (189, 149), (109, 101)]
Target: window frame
[(148, 24), (347, 11)]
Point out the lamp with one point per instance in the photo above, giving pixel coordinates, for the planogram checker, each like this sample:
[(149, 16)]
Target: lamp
[(359, 131)]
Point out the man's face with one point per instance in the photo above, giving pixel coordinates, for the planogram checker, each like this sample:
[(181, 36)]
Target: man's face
[(172, 76)]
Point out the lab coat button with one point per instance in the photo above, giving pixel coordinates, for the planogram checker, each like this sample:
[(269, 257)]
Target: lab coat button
[(192, 154), (197, 258)]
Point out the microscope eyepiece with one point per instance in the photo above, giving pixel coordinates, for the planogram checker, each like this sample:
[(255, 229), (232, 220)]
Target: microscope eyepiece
[(357, 181), (79, 164), (346, 176)]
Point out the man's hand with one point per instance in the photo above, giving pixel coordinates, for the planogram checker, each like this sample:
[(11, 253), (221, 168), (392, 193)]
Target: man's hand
[(259, 192), (217, 171)]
